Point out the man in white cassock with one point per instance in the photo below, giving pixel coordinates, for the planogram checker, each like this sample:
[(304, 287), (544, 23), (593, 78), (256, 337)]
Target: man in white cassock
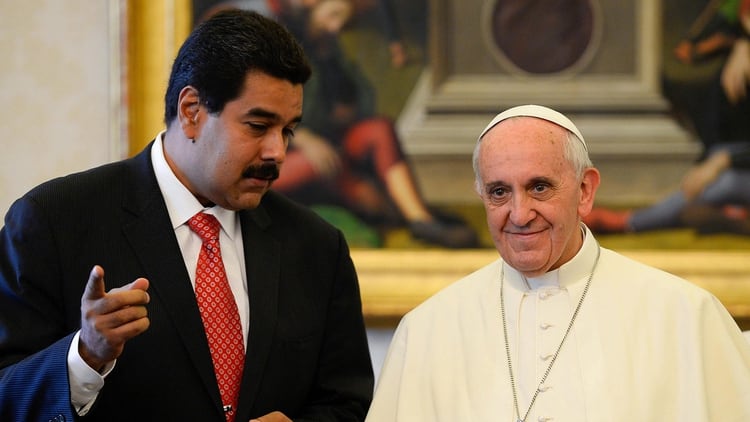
[(559, 328)]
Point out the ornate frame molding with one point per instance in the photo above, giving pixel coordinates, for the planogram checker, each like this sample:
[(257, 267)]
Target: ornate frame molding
[(392, 282)]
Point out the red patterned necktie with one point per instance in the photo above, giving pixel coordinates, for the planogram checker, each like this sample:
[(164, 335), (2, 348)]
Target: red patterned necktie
[(221, 319)]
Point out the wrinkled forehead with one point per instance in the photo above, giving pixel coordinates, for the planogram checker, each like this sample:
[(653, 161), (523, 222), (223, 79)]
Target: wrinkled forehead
[(540, 112), (522, 150)]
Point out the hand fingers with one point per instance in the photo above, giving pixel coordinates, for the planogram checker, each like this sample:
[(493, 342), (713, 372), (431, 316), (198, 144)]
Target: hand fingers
[(110, 319), (95, 286), (124, 324), (120, 298), (99, 345), (139, 284), (101, 302), (121, 317)]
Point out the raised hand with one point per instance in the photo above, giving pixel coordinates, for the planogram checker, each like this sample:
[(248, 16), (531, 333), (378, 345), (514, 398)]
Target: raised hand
[(110, 319)]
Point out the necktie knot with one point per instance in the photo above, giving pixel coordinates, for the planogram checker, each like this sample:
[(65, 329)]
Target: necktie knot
[(205, 225)]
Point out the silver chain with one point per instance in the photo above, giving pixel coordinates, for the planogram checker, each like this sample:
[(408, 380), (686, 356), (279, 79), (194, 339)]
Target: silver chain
[(554, 357)]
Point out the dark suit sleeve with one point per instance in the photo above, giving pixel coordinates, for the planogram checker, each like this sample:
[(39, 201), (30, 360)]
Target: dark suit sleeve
[(36, 388), (345, 377), (34, 340)]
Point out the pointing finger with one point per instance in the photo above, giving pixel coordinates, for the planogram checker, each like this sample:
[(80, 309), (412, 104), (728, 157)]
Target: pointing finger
[(95, 286)]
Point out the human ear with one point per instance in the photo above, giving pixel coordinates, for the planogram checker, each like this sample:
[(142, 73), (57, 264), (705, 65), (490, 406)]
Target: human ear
[(589, 184), (188, 110)]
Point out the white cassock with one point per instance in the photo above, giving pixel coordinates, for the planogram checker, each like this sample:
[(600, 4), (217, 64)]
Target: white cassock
[(646, 346)]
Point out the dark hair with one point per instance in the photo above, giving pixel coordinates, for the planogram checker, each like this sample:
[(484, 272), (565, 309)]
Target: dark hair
[(219, 52)]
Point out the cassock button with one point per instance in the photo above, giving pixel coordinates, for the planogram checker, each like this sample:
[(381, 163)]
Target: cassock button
[(546, 294), (546, 357), (545, 326), (545, 419), (544, 388)]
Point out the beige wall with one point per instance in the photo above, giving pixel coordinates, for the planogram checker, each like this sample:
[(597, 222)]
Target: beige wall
[(59, 104)]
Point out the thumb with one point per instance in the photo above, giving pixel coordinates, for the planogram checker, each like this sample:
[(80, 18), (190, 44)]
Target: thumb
[(95, 286)]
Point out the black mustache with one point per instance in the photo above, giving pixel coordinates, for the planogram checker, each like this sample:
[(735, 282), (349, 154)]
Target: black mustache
[(266, 171)]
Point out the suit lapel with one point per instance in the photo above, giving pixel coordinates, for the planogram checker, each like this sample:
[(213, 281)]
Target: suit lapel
[(153, 240), (263, 260)]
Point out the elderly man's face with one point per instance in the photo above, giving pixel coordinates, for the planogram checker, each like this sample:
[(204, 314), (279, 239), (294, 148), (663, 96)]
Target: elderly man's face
[(531, 194)]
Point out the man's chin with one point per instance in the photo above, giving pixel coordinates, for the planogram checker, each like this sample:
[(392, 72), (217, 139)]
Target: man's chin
[(530, 264), (245, 201)]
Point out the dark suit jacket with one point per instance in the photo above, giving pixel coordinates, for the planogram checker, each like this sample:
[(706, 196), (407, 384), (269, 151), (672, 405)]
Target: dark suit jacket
[(307, 353)]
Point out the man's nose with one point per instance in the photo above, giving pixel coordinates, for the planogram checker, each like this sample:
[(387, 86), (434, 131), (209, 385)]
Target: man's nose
[(521, 210), (274, 147)]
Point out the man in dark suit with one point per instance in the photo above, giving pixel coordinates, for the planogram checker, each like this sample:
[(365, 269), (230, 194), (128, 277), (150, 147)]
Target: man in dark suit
[(99, 270)]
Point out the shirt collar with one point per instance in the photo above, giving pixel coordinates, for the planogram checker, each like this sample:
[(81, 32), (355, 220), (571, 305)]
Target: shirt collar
[(181, 203)]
